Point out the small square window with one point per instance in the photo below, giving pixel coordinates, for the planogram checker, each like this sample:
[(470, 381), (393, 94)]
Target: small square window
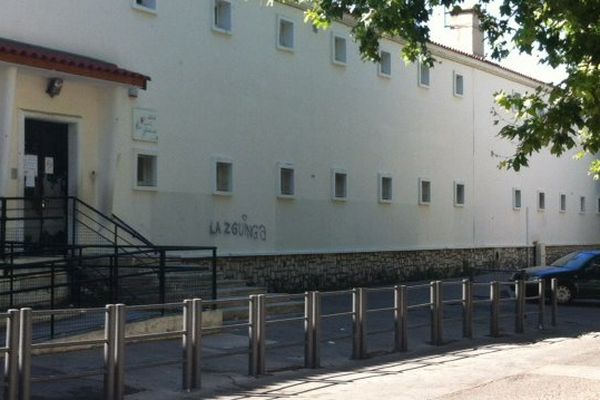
[(339, 190), (582, 204), (222, 176), (424, 75), (286, 181), (459, 85), (145, 171), (385, 64), (385, 188), (144, 5), (424, 191), (516, 199), (541, 201), (222, 16), (339, 50), (459, 194), (562, 206), (285, 34)]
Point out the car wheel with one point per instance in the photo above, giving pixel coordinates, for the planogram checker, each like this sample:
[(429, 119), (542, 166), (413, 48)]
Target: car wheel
[(564, 294)]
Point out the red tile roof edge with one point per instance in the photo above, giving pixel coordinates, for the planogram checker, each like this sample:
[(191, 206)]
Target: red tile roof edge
[(21, 53), (484, 60)]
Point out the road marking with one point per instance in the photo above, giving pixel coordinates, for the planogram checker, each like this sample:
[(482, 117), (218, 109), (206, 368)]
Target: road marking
[(572, 371)]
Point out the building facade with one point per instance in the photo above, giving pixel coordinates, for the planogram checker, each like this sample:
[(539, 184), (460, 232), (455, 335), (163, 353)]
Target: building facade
[(235, 124)]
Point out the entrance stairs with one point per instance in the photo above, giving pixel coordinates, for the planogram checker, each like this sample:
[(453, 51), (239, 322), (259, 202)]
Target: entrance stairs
[(194, 279)]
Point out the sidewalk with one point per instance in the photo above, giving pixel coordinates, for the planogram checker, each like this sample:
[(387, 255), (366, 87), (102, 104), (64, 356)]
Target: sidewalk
[(554, 368)]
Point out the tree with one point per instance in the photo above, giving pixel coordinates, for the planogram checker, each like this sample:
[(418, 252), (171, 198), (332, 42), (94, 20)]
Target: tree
[(559, 117)]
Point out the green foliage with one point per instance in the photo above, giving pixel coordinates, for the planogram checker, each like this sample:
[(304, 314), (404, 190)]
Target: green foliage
[(567, 33)]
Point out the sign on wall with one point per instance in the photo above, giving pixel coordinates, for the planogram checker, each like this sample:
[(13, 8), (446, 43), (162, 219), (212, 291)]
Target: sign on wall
[(144, 125)]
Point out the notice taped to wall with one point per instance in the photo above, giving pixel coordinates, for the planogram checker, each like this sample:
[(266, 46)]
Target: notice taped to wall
[(144, 125)]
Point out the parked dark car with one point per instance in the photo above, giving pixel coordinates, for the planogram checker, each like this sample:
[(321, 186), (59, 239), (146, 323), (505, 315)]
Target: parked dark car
[(577, 274)]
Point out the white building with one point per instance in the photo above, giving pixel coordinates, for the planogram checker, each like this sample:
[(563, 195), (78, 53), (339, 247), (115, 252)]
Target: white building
[(263, 136)]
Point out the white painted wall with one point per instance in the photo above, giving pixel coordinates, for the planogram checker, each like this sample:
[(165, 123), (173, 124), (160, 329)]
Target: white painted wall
[(239, 96)]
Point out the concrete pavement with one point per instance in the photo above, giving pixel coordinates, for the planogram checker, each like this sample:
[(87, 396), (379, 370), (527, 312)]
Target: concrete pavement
[(553, 368)]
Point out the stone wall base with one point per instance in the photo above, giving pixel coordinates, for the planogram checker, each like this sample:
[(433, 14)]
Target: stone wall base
[(299, 272)]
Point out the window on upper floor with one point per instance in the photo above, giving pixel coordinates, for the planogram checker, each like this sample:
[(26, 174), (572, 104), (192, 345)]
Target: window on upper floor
[(286, 183), (385, 194), (339, 184), (424, 191), (582, 204), (222, 15), (144, 5), (541, 200), (516, 199), (562, 203), (285, 34), (459, 84), (338, 45), (424, 75), (222, 175), (598, 205), (385, 64), (459, 194)]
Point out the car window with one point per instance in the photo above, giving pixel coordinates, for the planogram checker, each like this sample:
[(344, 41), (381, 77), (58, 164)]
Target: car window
[(592, 270), (571, 259)]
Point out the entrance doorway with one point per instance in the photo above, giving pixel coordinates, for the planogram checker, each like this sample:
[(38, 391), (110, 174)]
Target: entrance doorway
[(46, 178)]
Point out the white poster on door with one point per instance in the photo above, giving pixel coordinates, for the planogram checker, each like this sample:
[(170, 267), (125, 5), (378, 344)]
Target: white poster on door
[(29, 180), (30, 165), (49, 165)]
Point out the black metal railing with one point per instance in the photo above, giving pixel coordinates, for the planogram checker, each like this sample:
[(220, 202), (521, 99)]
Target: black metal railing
[(50, 224), (87, 277)]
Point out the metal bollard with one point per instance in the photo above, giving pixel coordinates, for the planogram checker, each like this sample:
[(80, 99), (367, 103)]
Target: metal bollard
[(400, 319), (541, 303), (120, 319), (262, 334), (197, 337), (433, 301), (187, 345), (440, 311), (11, 360), (192, 343), (309, 330), (110, 331), (359, 317), (467, 305), (520, 293), (494, 309), (317, 328), (554, 300), (435, 295), (256, 333), (253, 335), (25, 354)]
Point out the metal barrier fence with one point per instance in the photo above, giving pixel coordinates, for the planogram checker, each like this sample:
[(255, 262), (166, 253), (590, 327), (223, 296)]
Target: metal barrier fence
[(19, 348)]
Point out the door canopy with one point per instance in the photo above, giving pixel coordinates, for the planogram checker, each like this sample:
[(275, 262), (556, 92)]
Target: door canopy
[(55, 60)]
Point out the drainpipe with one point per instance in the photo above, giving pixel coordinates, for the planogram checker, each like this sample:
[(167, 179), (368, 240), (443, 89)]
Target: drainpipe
[(8, 85)]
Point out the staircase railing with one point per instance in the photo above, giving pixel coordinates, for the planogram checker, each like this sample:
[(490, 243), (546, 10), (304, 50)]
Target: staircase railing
[(44, 224), (85, 277)]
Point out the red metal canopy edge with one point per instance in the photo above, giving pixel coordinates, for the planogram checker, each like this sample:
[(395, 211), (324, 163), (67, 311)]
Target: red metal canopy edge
[(55, 60)]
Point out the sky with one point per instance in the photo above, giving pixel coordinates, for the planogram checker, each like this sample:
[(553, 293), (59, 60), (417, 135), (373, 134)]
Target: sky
[(522, 63)]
